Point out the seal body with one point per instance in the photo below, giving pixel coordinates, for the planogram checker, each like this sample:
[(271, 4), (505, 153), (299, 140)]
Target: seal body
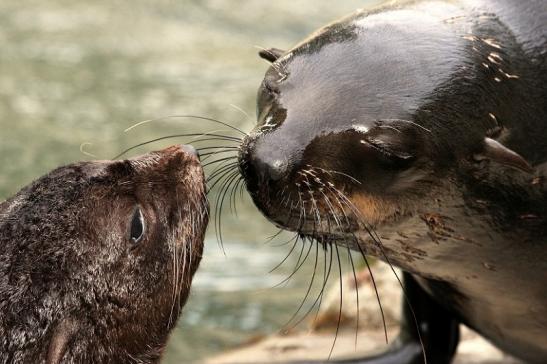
[(97, 259), (416, 133)]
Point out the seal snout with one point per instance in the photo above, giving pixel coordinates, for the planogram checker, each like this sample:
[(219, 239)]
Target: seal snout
[(190, 150), (271, 169), (263, 168), (186, 149)]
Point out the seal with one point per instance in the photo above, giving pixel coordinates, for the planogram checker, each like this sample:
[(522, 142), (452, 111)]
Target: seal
[(97, 259), (415, 132)]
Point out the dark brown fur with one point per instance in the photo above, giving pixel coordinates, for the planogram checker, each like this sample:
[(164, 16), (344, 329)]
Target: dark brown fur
[(73, 286)]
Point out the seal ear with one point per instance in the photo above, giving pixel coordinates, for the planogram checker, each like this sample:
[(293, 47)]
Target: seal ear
[(62, 335), (497, 152), (271, 54)]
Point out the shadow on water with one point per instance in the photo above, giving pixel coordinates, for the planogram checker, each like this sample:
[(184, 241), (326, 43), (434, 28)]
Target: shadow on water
[(78, 72)]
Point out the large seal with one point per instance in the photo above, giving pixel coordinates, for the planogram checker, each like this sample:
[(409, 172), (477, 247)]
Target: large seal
[(417, 133), (97, 259)]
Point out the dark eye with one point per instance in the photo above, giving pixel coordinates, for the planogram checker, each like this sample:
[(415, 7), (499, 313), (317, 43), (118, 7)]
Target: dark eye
[(137, 226)]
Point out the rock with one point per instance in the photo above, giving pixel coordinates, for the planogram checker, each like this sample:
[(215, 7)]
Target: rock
[(370, 315), (350, 342)]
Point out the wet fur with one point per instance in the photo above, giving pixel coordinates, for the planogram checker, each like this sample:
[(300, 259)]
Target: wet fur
[(72, 289)]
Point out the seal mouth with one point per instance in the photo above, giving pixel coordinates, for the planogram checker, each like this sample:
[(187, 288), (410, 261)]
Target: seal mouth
[(183, 163), (340, 183), (313, 202)]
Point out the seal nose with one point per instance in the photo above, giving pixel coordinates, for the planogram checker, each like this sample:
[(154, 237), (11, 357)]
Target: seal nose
[(270, 169), (264, 167), (190, 150)]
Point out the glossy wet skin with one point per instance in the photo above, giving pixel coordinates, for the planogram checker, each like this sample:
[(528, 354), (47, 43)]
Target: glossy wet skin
[(377, 123), (99, 257), (320, 107)]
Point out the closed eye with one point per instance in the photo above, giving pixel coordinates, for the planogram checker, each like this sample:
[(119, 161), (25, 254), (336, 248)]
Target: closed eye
[(387, 149)]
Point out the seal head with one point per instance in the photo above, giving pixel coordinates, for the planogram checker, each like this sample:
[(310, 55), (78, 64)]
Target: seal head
[(387, 100), (98, 257)]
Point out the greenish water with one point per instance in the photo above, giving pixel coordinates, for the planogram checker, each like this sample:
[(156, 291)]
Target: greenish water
[(74, 72)]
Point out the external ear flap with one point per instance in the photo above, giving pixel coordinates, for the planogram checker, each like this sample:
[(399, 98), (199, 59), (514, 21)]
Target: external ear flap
[(271, 55), (62, 335), (497, 152)]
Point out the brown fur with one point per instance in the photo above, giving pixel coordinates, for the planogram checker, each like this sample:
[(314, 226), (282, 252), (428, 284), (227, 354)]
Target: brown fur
[(73, 287)]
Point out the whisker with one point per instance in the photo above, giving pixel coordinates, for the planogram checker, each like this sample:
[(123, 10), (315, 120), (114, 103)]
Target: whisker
[(341, 301), (330, 171), (326, 275), (219, 173), (271, 238), (407, 300), (218, 177), (234, 193), (222, 179), (309, 287), (219, 206), (224, 175), (188, 117), (356, 295), (211, 154), (194, 141), (298, 263), (348, 202), (231, 200), (84, 152), (242, 111), (218, 160), (295, 238), (376, 239), (216, 136), (375, 288), (223, 147)]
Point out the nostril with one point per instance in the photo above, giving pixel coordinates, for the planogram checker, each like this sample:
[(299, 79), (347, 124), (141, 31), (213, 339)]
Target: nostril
[(190, 150), (261, 165), (273, 170), (277, 169)]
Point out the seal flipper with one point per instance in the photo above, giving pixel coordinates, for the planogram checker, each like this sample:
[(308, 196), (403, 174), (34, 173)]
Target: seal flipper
[(63, 333), (271, 54), (439, 332)]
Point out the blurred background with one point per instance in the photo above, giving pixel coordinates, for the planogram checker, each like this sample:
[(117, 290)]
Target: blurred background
[(76, 73)]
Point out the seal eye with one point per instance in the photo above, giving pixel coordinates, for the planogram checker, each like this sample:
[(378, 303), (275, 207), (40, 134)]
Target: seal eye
[(390, 151), (394, 146), (137, 226)]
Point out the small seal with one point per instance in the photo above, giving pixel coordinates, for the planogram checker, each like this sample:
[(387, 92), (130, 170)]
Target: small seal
[(97, 259), (415, 132)]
